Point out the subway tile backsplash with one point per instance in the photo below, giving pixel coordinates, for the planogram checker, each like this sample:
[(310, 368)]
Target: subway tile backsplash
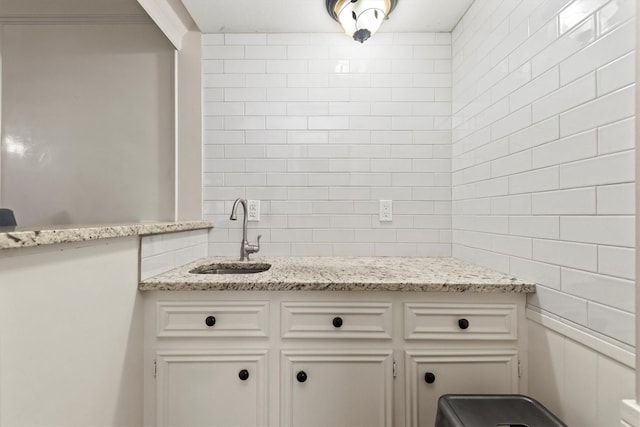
[(160, 253), (319, 129), (543, 153)]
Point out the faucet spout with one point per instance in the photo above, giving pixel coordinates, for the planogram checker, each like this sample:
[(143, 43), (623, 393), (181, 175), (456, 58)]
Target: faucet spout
[(234, 216), (245, 248)]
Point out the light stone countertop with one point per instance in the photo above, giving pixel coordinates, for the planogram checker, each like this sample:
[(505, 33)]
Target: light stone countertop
[(428, 274), (25, 237)]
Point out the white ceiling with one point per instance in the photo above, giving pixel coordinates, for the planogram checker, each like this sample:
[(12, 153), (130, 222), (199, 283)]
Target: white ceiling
[(310, 16)]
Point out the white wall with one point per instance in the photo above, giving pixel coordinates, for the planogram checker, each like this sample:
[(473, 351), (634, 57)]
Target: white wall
[(71, 335), (543, 153), (580, 378), (189, 132), (543, 185), (320, 128), (87, 123)]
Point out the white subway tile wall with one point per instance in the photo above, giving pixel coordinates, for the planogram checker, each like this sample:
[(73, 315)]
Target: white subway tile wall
[(162, 252), (319, 129), (543, 153)]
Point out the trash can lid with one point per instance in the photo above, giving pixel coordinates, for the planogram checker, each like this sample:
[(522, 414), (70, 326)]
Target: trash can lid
[(493, 410), (7, 218)]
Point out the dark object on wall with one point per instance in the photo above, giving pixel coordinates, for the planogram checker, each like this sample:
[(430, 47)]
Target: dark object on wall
[(7, 219), (502, 410)]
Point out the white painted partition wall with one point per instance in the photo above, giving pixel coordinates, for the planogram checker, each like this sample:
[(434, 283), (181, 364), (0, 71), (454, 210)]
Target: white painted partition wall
[(71, 335)]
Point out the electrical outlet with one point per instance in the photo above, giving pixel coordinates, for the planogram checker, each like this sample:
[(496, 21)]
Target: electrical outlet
[(254, 210), (386, 210)]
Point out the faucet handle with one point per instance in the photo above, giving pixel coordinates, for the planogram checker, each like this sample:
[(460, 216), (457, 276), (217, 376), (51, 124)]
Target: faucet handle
[(252, 249)]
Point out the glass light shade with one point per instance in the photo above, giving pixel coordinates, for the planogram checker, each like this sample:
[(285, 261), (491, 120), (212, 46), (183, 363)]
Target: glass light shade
[(370, 19), (347, 22), (361, 16)]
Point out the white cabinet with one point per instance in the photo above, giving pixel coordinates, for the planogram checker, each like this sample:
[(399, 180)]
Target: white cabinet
[(317, 359), (209, 360), (336, 388), (430, 374), (337, 320), (214, 319), (225, 389), (458, 348), (324, 380), (460, 321)]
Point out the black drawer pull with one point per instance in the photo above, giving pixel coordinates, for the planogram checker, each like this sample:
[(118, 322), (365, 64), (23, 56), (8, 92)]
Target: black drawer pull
[(210, 321), (337, 322), (463, 323), (430, 378)]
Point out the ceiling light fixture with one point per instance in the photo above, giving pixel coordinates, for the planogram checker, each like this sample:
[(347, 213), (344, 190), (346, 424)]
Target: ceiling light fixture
[(360, 18)]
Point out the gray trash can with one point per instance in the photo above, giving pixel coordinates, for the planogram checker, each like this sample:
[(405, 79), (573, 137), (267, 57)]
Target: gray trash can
[(493, 410), (7, 218)]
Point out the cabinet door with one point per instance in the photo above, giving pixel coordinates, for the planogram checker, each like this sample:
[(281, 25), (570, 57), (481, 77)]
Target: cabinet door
[(430, 375), (337, 389), (212, 389)]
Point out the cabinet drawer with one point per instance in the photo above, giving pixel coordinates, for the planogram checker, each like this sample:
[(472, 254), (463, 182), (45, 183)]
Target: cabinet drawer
[(213, 319), (336, 320), (460, 321)]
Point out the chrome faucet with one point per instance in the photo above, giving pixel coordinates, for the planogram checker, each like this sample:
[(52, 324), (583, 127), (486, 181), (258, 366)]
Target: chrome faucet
[(245, 248)]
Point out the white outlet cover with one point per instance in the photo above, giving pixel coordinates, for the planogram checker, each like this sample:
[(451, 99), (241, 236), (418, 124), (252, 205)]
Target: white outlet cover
[(386, 210), (254, 210)]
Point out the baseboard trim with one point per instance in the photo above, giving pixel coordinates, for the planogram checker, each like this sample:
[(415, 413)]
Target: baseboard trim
[(610, 350)]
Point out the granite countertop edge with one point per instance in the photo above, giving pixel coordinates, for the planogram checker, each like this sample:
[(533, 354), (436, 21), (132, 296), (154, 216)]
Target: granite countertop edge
[(405, 274), (22, 238)]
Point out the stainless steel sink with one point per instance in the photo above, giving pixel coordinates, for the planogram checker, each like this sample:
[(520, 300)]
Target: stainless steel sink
[(232, 268)]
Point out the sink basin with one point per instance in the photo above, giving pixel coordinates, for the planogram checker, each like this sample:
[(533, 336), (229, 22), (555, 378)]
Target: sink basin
[(232, 268)]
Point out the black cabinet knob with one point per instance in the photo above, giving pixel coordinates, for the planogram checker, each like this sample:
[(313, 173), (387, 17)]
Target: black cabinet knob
[(463, 323), (301, 376), (210, 321), (430, 378), (243, 375), (337, 322)]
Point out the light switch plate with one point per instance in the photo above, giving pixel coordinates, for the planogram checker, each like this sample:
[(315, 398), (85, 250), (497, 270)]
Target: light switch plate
[(386, 210), (254, 210)]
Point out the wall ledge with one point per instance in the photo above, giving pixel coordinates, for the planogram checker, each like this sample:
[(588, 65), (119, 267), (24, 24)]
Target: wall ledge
[(22, 238), (630, 413)]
